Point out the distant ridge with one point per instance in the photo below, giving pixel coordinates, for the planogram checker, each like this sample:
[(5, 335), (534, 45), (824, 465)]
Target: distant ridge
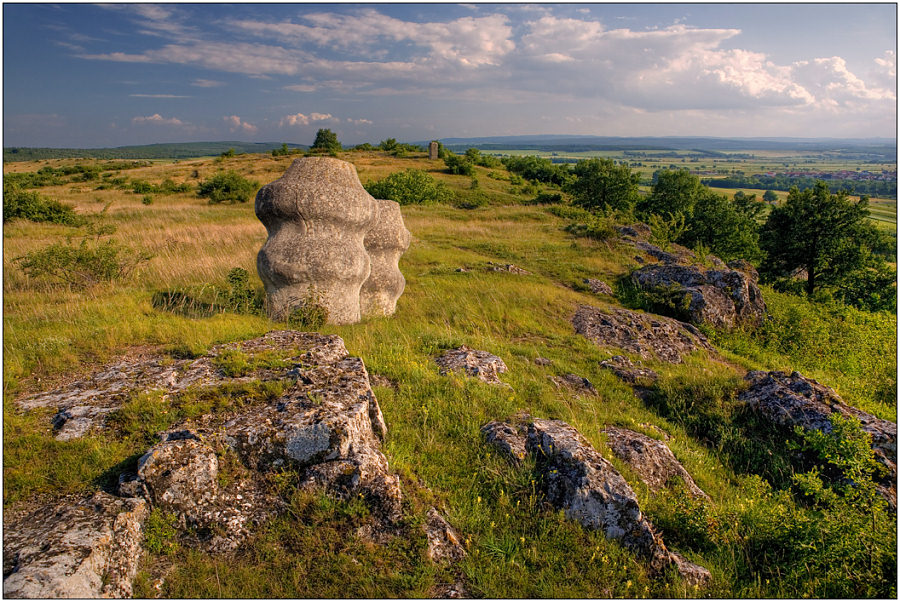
[(882, 147), (173, 150)]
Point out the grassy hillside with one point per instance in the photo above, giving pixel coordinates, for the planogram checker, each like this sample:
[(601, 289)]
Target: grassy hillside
[(756, 537)]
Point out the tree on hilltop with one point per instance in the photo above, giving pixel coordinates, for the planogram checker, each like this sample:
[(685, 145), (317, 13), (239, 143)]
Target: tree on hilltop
[(326, 141), (601, 184)]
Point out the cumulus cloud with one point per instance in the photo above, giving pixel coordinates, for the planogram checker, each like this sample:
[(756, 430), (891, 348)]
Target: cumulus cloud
[(157, 119), (301, 119), (359, 121), (235, 124)]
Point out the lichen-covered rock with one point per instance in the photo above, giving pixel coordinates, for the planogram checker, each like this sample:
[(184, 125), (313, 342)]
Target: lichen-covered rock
[(590, 490), (598, 287), (579, 384), (646, 335), (650, 459), (625, 369), (78, 548), (85, 404), (792, 400), (443, 540), (317, 215), (386, 240), (722, 298), (508, 439), (472, 362)]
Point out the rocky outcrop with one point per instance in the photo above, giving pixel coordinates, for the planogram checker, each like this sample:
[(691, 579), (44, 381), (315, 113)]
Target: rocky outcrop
[(212, 472), (576, 383), (85, 404), (650, 459), (580, 481), (76, 548), (792, 400), (318, 217), (646, 335), (385, 242), (722, 298), (506, 267), (626, 370), (507, 438), (472, 362)]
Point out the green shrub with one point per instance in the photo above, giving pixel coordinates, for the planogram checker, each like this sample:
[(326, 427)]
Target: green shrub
[(241, 296), (160, 532), (147, 200), (30, 205), (595, 226), (83, 265), (459, 165), (472, 200), (547, 198), (227, 186), (410, 187)]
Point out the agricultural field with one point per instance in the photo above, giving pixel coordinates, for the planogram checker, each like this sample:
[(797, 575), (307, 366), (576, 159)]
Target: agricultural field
[(757, 535)]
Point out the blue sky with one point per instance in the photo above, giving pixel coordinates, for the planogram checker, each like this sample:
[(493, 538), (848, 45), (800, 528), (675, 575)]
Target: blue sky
[(115, 74)]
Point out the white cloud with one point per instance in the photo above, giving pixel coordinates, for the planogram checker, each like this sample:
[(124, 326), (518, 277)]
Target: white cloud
[(158, 119), (207, 83), (359, 121), (235, 124), (301, 119)]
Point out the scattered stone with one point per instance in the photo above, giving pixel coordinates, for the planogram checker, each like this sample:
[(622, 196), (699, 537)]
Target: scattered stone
[(794, 400), (443, 540), (638, 230), (598, 286), (471, 362), (590, 490), (461, 270), (542, 361), (577, 383), (625, 369), (508, 439), (506, 267), (318, 217), (650, 459), (639, 259), (385, 242), (77, 548), (646, 335), (721, 298)]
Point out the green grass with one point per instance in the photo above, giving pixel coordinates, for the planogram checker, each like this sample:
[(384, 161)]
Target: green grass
[(517, 545)]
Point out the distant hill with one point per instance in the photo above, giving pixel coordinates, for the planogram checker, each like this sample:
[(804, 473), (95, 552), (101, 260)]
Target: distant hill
[(174, 150), (876, 147)]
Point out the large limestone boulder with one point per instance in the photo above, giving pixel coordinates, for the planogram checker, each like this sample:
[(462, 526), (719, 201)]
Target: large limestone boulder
[(587, 487), (77, 548), (385, 242), (648, 335), (792, 400), (722, 298), (317, 215)]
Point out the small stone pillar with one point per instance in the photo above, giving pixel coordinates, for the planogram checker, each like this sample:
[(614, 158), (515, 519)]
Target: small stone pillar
[(385, 242), (433, 150)]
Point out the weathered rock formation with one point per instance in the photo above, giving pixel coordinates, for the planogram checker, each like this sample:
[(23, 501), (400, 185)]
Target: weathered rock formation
[(650, 459), (385, 242), (318, 217), (472, 362), (722, 298), (792, 400), (213, 471), (76, 548), (632, 374), (443, 540), (586, 486), (647, 335)]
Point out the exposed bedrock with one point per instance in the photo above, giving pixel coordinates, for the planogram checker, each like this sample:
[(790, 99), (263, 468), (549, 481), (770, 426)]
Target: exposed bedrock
[(587, 487)]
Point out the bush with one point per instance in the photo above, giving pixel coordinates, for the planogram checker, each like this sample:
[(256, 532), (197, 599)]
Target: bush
[(459, 165), (227, 186), (81, 266), (311, 314), (32, 206), (410, 187)]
